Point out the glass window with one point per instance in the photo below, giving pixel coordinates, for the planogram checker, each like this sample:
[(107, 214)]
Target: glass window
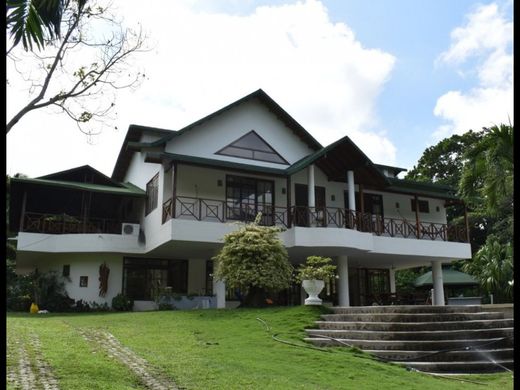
[(247, 197), (424, 206), (152, 194), (144, 277), (252, 147)]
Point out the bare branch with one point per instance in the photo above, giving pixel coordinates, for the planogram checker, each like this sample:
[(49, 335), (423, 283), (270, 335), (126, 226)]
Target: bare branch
[(72, 87)]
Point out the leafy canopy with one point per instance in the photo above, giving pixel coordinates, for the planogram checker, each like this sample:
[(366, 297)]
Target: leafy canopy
[(316, 268), (254, 256)]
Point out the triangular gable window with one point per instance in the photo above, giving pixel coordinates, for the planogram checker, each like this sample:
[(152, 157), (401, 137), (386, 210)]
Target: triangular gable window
[(252, 147)]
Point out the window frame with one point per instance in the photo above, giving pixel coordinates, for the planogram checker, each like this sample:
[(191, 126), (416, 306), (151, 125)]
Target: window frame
[(424, 206), (267, 218), (253, 157), (152, 194)]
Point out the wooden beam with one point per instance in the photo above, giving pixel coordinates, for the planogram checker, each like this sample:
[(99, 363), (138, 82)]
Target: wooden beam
[(174, 189), (361, 198), (289, 216), (417, 215), (466, 221), (22, 214)]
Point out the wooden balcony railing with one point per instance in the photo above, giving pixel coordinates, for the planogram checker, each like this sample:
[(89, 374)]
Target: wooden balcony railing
[(183, 207), (68, 224)]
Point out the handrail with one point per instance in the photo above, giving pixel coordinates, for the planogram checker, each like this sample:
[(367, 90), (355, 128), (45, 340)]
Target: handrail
[(68, 224), (222, 211)]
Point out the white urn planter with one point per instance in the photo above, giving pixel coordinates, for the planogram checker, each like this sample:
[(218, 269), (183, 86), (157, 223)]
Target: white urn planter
[(313, 288)]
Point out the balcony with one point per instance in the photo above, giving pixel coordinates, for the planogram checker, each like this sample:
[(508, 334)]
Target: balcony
[(212, 210), (67, 224)]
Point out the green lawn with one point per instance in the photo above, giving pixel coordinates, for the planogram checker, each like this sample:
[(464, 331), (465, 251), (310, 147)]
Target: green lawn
[(209, 349)]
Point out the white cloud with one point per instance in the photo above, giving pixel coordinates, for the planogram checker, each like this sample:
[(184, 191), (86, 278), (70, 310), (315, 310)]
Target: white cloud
[(486, 38), (203, 60)]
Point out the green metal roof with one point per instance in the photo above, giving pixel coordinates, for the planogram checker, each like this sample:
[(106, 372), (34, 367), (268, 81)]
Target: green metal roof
[(159, 156), (449, 277), (421, 188), (126, 188)]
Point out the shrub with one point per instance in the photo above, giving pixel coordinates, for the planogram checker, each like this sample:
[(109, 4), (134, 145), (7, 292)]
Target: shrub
[(94, 306), (81, 306), (50, 294), (19, 303), (254, 260), (122, 303), (316, 268)]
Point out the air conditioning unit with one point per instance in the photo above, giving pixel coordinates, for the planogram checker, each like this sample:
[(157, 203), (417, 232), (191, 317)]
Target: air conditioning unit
[(130, 229)]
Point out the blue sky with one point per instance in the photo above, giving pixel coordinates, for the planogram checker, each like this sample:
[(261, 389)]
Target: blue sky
[(395, 75)]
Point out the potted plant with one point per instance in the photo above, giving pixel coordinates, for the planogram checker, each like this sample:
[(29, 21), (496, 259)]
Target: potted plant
[(312, 274)]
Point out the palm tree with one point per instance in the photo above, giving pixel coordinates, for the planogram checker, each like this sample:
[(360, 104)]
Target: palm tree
[(34, 21), (487, 176), (493, 267)]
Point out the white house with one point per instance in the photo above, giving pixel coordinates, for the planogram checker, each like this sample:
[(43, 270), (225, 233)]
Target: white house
[(172, 196)]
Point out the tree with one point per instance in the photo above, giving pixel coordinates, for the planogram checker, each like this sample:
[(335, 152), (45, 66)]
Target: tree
[(443, 162), (492, 266), (254, 260), (33, 21), (80, 72), (487, 177)]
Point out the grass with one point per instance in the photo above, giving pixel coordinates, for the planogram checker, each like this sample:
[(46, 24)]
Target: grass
[(214, 349)]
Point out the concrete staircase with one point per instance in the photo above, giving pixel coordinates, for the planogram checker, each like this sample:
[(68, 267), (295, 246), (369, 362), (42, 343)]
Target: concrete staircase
[(436, 339)]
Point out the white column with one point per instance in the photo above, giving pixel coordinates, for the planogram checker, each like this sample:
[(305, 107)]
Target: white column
[(351, 191), (310, 187), (391, 274), (343, 295), (438, 285), (219, 289)]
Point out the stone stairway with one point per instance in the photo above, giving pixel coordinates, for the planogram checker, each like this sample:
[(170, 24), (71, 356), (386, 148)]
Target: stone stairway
[(436, 339)]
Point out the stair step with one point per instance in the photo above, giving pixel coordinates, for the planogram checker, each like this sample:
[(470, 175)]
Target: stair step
[(413, 317), (440, 356), (483, 366), (430, 335), (416, 326), (434, 339), (407, 309), (412, 345)]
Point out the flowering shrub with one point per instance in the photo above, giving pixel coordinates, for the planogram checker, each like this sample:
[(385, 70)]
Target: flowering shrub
[(254, 259), (316, 268)]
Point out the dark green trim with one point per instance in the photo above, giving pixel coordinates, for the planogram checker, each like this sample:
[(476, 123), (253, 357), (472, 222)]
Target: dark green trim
[(210, 162), (127, 189)]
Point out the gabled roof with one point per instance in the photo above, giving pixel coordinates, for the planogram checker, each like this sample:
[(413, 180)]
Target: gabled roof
[(159, 157), (421, 188), (449, 277), (338, 158), (133, 135), (395, 170), (135, 131), (83, 174)]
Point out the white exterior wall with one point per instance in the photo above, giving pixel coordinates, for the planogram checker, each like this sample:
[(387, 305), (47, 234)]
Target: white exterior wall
[(201, 182), (211, 136), (86, 265), (320, 180)]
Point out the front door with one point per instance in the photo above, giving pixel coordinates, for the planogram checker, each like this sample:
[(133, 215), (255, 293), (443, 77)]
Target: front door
[(301, 212), (373, 213)]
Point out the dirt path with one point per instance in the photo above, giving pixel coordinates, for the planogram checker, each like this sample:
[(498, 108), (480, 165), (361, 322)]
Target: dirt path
[(140, 367), (31, 371)]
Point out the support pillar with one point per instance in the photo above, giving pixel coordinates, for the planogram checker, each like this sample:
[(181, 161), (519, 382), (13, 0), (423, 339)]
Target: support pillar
[(343, 294), (438, 284), (310, 187), (351, 191), (311, 195), (219, 289), (391, 275)]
